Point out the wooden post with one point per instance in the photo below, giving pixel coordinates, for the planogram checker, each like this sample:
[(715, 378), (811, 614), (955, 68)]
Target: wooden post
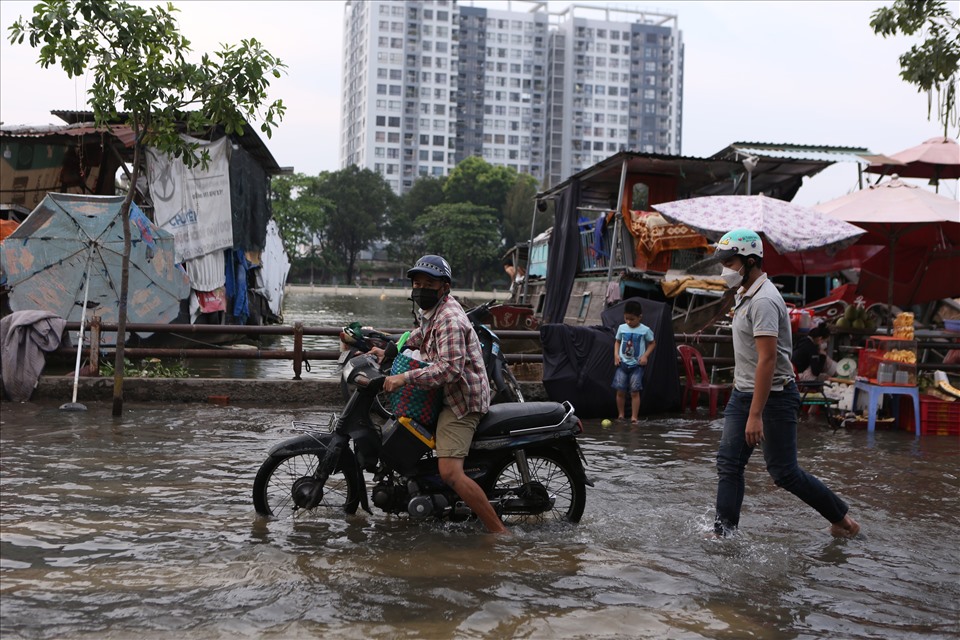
[(95, 345), (297, 349)]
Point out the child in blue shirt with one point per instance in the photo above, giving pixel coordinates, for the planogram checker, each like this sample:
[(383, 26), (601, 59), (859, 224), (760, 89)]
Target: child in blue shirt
[(631, 351)]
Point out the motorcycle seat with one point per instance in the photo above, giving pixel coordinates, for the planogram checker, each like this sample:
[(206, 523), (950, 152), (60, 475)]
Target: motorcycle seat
[(501, 419)]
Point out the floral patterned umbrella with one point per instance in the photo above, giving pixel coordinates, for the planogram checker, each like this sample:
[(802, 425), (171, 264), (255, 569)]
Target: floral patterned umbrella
[(70, 238), (787, 227)]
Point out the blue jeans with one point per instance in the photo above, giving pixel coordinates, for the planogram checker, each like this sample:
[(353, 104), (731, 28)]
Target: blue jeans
[(628, 379), (779, 452)]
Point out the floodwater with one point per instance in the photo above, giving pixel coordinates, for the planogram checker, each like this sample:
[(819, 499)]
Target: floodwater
[(142, 526), (313, 310)]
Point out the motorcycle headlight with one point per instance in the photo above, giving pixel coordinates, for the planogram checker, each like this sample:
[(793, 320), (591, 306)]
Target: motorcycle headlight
[(357, 370)]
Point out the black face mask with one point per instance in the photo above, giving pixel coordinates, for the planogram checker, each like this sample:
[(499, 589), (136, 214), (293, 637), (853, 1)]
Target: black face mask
[(426, 298)]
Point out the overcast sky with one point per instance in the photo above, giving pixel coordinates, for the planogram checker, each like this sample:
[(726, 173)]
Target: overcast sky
[(805, 72)]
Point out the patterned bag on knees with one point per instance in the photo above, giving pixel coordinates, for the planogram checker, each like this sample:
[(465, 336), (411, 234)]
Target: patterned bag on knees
[(422, 405)]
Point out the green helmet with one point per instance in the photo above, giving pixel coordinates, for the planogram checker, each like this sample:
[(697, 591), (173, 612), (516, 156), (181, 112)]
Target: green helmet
[(739, 242)]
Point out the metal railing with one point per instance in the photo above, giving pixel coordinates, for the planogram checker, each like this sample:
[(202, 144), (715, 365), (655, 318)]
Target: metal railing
[(298, 355)]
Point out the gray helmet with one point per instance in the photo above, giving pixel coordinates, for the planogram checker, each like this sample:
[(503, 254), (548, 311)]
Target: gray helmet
[(433, 266)]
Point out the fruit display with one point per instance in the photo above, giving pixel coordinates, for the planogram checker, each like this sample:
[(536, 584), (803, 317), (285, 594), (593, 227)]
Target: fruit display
[(901, 355), (903, 326), (855, 316)]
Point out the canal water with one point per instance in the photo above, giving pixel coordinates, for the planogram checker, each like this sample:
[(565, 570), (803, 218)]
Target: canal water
[(142, 527), (313, 310)]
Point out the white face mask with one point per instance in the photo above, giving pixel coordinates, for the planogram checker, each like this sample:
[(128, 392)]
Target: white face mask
[(731, 277)]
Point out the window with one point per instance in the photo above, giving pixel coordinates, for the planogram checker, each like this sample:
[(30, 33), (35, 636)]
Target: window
[(584, 307), (393, 137), (381, 121), (394, 121), (438, 141)]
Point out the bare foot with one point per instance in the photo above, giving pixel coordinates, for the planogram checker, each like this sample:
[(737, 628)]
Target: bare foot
[(620, 418), (634, 421), (846, 528)]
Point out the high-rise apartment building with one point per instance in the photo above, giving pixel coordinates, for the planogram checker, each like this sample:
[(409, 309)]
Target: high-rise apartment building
[(427, 83)]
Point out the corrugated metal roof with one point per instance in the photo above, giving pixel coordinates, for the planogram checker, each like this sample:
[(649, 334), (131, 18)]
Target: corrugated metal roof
[(800, 152), (250, 140), (722, 173), (120, 131)]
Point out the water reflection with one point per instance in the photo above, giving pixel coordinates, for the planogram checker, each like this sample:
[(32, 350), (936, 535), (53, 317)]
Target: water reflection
[(143, 525)]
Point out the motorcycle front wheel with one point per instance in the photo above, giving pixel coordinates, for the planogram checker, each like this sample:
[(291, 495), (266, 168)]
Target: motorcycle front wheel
[(548, 469), (282, 483)]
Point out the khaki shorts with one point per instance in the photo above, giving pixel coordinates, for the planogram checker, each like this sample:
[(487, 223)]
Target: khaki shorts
[(454, 434)]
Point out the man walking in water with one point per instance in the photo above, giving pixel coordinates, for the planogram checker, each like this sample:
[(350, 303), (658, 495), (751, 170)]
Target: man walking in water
[(765, 403)]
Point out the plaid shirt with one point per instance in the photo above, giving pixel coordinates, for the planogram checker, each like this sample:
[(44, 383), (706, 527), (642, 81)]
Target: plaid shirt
[(448, 342)]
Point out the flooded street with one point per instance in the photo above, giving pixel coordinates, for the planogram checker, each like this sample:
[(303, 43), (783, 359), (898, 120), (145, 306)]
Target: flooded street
[(143, 527)]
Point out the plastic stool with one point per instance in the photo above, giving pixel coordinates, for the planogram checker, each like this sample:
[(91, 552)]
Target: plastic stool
[(877, 391)]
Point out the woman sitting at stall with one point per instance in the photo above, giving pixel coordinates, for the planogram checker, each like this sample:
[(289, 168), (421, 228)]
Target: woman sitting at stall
[(810, 356)]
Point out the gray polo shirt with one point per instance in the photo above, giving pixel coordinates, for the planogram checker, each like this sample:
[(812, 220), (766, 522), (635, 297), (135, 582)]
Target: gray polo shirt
[(760, 311)]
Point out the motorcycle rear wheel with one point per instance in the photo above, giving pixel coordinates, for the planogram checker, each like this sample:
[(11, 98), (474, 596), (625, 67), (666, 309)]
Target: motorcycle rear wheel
[(554, 474), (274, 485)]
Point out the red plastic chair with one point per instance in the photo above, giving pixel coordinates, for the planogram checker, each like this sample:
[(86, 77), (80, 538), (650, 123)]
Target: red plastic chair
[(719, 393)]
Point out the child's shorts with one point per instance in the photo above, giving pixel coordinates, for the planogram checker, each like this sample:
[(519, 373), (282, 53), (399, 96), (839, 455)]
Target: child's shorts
[(628, 378)]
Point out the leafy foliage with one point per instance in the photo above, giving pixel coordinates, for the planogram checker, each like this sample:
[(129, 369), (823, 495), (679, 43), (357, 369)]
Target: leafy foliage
[(477, 181), (361, 201), (148, 368), (137, 56), (405, 237), (466, 234), (933, 63), (302, 216), (518, 212)]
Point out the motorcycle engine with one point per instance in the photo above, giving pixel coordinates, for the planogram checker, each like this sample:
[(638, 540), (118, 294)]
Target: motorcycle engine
[(389, 497)]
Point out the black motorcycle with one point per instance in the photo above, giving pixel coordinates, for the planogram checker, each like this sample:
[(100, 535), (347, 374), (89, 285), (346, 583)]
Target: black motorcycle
[(525, 457)]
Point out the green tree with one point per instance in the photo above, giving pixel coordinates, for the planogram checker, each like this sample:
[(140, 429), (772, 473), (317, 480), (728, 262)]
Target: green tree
[(405, 237), (362, 201), (137, 58), (302, 216), (477, 181), (933, 63), (465, 234), (518, 212)]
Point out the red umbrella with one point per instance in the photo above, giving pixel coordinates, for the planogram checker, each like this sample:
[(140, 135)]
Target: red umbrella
[(920, 231), (934, 159)]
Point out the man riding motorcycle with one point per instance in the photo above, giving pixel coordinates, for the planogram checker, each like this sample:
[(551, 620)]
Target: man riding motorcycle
[(449, 344)]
